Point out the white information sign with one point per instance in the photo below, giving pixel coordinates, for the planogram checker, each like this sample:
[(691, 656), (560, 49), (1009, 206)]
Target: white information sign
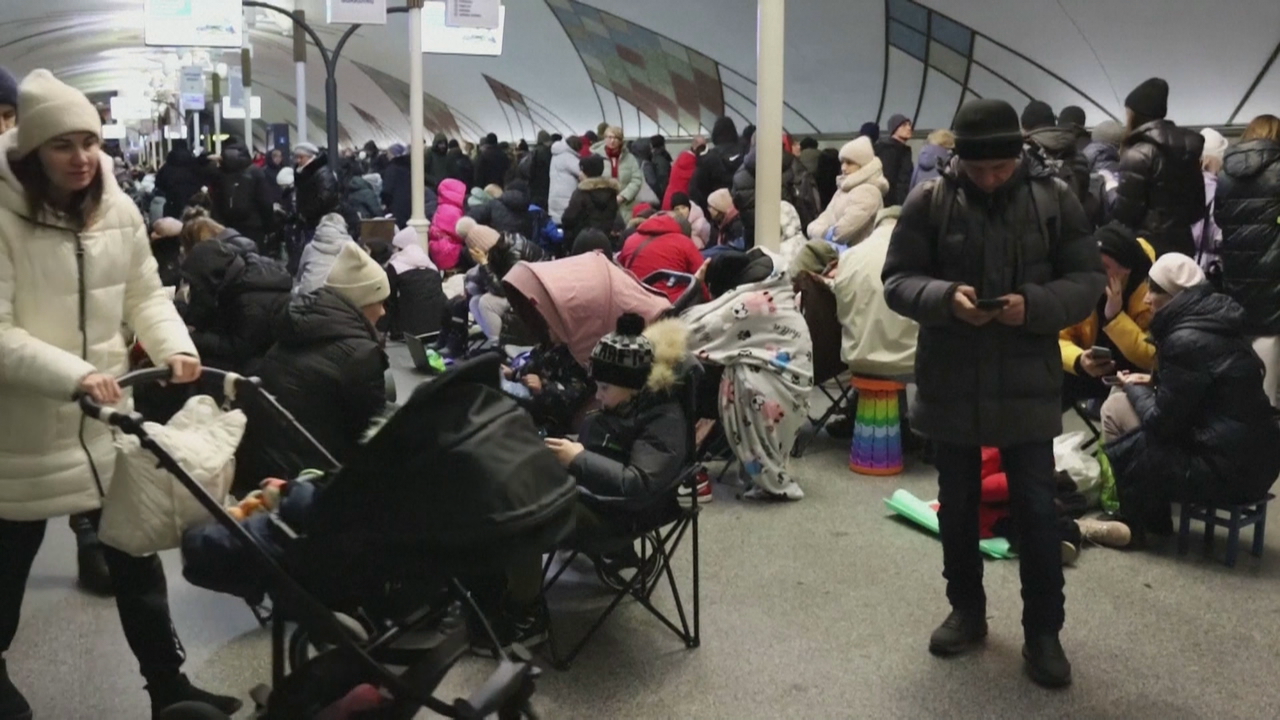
[(236, 96), (364, 12), (114, 131), (194, 23), (229, 112), (130, 108), (438, 38), (473, 13), (192, 88)]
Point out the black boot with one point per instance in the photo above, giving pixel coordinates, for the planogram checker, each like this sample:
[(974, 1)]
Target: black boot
[(93, 576), (167, 693), (1047, 662), (959, 633), (12, 705)]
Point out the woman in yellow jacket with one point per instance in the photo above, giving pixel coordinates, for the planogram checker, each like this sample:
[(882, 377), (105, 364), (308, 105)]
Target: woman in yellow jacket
[(1119, 323)]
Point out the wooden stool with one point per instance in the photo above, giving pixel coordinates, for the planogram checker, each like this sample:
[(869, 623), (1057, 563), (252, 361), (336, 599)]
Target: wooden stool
[(1238, 516)]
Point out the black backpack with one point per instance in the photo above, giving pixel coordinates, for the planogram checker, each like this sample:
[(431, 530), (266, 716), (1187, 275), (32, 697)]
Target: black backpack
[(238, 196)]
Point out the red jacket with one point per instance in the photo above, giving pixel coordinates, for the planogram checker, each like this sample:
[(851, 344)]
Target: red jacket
[(681, 176), (667, 248)]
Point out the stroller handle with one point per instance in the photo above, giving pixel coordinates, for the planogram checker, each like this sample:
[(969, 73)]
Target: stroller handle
[(230, 381)]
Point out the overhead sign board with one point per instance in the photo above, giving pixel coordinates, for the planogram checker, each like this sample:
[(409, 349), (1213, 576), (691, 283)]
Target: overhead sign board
[(473, 13), (363, 12), (114, 131), (194, 23), (124, 108), (192, 88), (438, 38), (230, 112)]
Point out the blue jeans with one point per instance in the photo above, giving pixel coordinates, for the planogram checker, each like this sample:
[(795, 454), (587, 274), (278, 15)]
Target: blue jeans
[(1030, 468)]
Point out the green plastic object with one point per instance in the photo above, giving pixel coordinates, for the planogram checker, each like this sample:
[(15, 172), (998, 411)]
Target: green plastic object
[(436, 361), (921, 513), (1110, 500)]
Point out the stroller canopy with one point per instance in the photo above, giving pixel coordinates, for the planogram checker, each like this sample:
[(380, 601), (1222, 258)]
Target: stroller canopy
[(582, 297)]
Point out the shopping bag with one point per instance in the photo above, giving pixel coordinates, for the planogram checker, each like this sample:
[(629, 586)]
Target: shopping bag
[(1109, 499), (1070, 457)]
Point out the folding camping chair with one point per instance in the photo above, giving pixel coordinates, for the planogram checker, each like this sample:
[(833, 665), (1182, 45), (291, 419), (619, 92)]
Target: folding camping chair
[(818, 305), (1091, 415), (659, 530)]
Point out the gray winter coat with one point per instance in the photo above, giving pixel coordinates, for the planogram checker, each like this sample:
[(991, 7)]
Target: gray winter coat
[(565, 172), (320, 254), (994, 385)]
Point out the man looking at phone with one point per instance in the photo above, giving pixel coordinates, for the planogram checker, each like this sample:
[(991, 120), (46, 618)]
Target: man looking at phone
[(990, 373), (1114, 337)]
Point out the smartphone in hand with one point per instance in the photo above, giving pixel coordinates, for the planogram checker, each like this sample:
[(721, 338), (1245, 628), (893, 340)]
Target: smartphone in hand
[(989, 304), (1099, 353), (1111, 380)]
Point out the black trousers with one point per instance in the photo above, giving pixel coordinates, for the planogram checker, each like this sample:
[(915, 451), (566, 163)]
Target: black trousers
[(1030, 468), (142, 598)]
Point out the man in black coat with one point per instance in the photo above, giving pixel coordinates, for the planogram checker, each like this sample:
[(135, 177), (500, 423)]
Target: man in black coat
[(241, 198), (181, 177), (437, 164), (717, 166), (540, 171), (1054, 148), (1201, 428), (895, 155), (1161, 192), (991, 289), (493, 163)]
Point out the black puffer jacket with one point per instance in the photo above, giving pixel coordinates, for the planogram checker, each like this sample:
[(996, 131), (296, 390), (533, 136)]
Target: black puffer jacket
[(181, 177), (593, 205), (327, 369), (1161, 193), (509, 213), (1102, 156), (993, 385), (798, 188), (1055, 149), (417, 300), (899, 164), (241, 198), (717, 166), (317, 192), (491, 166), (234, 300), (397, 195), (509, 250), (1207, 433), (634, 453), (1247, 209)]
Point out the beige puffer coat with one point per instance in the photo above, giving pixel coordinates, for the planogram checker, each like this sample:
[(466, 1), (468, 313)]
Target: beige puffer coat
[(53, 462), (852, 211)]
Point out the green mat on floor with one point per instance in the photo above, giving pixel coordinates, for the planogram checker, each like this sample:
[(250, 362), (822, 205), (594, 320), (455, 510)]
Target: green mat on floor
[(919, 512)]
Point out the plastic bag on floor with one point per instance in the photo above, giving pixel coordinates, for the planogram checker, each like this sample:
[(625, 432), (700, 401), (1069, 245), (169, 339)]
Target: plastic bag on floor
[(1070, 457), (146, 510)]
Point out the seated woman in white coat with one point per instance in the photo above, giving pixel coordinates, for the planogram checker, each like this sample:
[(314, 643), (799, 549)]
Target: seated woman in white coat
[(851, 215), (75, 265)]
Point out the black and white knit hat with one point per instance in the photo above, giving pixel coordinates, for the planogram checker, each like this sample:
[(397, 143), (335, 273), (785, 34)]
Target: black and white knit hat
[(624, 357)]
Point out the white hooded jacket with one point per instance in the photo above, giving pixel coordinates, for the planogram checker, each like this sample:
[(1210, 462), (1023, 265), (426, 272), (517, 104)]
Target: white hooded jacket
[(53, 461), (565, 173), (877, 341)]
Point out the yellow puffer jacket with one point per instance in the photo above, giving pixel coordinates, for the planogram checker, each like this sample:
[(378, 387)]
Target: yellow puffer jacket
[(1128, 330)]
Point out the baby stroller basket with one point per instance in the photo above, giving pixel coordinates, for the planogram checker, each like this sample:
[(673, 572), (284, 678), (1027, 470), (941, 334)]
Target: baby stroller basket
[(507, 690)]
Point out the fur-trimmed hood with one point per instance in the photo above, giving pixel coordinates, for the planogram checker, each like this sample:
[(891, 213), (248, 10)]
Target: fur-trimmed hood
[(670, 340), (599, 183)]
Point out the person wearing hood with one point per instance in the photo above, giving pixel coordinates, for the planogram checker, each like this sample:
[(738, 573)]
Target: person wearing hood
[(443, 242), (492, 163), (1103, 151), (417, 300), (798, 189), (683, 170), (1200, 429), (233, 298), (895, 158), (360, 195), (563, 179), (658, 172), (76, 267), (595, 203), (1119, 323), (459, 165), (1073, 118), (620, 165), (717, 166), (592, 240), (876, 341), (397, 186), (1161, 192), (809, 154), (935, 155), (318, 197), (1247, 211), (181, 177), (1053, 148), (699, 228), (851, 215), (727, 229), (540, 170), (992, 376), (660, 244), (327, 368), (437, 166), (507, 213), (275, 163)]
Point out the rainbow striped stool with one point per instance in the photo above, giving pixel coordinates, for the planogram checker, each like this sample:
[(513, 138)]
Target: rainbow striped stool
[(877, 428)]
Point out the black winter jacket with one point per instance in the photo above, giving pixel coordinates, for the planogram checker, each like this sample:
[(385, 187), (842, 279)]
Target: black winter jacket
[(593, 205), (657, 171), (540, 176), (898, 166), (566, 388), (241, 198), (397, 194), (437, 164), (1161, 193), (1208, 434), (492, 166), (181, 177), (716, 166), (507, 214), (1247, 210), (798, 189), (1055, 149), (417, 301), (459, 167), (1102, 156), (362, 199), (328, 370), (235, 298), (634, 454), (993, 385), (504, 255)]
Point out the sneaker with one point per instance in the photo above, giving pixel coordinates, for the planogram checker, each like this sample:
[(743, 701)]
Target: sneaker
[(165, 694), (1108, 533), (1046, 662), (959, 633), (703, 491), (12, 705), (791, 493)]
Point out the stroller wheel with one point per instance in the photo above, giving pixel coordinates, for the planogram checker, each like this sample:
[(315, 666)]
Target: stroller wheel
[(615, 570), (301, 649)]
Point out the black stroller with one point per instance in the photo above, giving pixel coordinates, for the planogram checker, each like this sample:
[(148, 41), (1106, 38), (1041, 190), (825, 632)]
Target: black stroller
[(386, 540)]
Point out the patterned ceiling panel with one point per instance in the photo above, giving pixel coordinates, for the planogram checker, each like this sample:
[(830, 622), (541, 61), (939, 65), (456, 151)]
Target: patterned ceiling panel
[(437, 116)]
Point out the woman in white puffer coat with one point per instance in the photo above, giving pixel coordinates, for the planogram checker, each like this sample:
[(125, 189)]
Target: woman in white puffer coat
[(851, 215), (565, 176), (75, 265)]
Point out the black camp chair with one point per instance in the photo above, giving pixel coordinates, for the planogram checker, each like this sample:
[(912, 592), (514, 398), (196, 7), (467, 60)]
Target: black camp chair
[(658, 532), (818, 305)]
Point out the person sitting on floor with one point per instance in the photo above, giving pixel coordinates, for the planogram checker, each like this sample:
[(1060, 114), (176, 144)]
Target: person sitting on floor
[(660, 244), (1201, 429), (1119, 323), (687, 210), (417, 295), (727, 230), (494, 254)]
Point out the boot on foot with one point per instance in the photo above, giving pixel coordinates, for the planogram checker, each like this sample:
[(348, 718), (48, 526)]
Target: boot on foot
[(1108, 533), (959, 633), (93, 576), (167, 693), (12, 705), (1046, 661)]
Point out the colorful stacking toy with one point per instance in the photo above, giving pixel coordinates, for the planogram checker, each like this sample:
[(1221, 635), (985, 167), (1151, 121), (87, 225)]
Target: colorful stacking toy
[(877, 430)]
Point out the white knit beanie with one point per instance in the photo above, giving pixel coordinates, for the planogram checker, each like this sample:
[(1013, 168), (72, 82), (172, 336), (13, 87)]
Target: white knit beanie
[(1175, 272), (358, 277), (48, 108), (859, 151), (1215, 145), (476, 235), (720, 201)]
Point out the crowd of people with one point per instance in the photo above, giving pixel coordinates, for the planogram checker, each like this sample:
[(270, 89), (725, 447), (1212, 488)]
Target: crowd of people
[(1017, 266)]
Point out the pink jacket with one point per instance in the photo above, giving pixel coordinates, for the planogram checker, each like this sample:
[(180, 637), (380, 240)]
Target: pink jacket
[(443, 243)]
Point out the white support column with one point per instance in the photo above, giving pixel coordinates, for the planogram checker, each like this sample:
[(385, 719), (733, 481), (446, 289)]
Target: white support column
[(417, 169), (217, 127), (300, 72), (246, 63), (770, 55), (195, 131)]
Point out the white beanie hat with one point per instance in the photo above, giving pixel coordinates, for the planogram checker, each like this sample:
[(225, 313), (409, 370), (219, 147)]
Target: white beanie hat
[(404, 238), (285, 177), (358, 277), (1175, 272), (476, 235), (306, 148), (859, 151), (48, 108), (1215, 145)]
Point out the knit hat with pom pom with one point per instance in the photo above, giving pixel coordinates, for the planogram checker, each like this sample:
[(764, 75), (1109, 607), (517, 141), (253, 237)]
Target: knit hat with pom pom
[(624, 357)]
